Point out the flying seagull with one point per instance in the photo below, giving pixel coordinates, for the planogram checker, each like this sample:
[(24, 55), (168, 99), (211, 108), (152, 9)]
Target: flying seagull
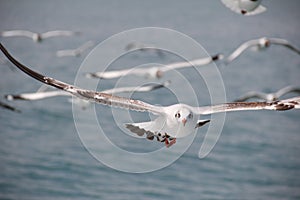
[(259, 44), (48, 94), (75, 52), (245, 7), (269, 96), (172, 122), (37, 37), (156, 71), (8, 107)]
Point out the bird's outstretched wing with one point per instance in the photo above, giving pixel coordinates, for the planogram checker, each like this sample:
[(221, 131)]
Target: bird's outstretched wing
[(117, 73), (93, 96), (36, 95), (238, 51), (197, 62), (288, 89), (285, 43), (58, 33), (287, 104), (15, 33)]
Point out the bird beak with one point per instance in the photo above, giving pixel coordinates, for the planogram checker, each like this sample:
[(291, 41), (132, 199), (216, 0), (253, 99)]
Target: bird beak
[(184, 121)]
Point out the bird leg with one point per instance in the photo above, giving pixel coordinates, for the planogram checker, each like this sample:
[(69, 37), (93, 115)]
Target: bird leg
[(170, 143)]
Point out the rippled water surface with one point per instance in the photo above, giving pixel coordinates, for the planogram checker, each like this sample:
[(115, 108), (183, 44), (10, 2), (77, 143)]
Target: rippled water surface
[(256, 157)]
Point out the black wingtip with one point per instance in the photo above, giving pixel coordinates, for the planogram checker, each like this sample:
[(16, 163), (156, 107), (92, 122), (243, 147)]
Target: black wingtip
[(21, 66), (217, 57)]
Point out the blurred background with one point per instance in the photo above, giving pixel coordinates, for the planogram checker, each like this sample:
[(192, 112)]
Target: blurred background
[(256, 157)]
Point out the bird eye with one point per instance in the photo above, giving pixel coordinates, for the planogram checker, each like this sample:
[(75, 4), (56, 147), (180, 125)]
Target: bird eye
[(190, 115), (177, 115)]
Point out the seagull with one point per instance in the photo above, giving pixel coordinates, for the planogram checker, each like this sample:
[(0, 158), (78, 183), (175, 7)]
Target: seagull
[(269, 96), (245, 7), (37, 37), (172, 122), (75, 52), (143, 47), (156, 71), (259, 44), (8, 107), (48, 94)]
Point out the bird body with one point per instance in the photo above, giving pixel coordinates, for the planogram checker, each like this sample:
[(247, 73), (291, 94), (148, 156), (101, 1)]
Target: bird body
[(245, 7)]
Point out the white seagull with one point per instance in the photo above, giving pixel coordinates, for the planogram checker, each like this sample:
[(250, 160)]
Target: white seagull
[(245, 7), (269, 96), (259, 44), (37, 37), (75, 52), (174, 121), (156, 71)]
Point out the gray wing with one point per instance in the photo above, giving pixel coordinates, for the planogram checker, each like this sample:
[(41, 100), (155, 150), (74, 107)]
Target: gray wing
[(285, 43), (243, 47), (250, 95), (287, 104), (288, 89), (15, 33), (89, 95)]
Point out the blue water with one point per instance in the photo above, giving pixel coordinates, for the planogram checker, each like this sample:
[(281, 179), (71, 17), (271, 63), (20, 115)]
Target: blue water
[(256, 157)]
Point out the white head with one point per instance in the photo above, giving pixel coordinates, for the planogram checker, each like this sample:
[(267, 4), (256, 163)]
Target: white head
[(182, 119)]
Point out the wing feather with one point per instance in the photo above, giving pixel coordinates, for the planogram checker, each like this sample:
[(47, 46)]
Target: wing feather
[(93, 96), (287, 104)]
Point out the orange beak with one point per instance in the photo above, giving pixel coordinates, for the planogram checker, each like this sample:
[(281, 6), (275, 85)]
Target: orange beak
[(184, 121)]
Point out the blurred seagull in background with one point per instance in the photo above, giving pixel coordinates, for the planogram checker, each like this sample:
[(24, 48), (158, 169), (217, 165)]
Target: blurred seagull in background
[(42, 94), (156, 71), (172, 122), (48, 94), (75, 52), (144, 48), (259, 44), (245, 7), (37, 37), (269, 96)]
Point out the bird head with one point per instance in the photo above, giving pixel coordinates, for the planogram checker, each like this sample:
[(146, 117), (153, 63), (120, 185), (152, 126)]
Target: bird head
[(183, 116), (37, 37)]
